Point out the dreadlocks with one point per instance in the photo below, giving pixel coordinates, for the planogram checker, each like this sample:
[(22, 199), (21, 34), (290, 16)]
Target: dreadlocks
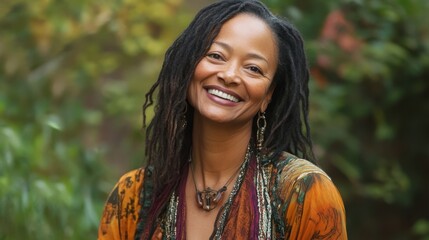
[(168, 140)]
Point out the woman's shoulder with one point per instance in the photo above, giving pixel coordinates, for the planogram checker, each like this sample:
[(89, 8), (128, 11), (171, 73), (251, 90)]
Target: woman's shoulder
[(122, 207), (127, 188), (294, 168), (294, 175), (132, 179), (304, 195)]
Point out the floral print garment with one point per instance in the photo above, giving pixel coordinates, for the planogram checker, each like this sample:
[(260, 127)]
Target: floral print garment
[(305, 205)]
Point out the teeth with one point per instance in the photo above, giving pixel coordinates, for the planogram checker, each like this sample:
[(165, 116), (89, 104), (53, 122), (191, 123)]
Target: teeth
[(223, 95)]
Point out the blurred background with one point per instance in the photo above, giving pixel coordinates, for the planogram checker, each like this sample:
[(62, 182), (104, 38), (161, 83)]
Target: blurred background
[(73, 75)]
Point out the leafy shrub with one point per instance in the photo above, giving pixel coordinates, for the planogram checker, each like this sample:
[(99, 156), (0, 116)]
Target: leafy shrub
[(72, 79)]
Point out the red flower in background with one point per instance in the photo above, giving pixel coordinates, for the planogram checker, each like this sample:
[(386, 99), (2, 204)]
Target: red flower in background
[(337, 31)]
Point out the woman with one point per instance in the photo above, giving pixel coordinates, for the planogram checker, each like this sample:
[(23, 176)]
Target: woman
[(231, 110)]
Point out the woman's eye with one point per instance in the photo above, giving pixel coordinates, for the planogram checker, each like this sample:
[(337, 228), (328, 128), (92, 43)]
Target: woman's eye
[(256, 70), (214, 56)]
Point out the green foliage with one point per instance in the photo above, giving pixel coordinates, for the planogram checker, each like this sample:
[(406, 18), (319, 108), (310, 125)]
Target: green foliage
[(370, 107), (48, 187), (72, 80)]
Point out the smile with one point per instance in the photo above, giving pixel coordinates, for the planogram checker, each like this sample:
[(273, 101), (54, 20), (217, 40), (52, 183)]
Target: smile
[(223, 95)]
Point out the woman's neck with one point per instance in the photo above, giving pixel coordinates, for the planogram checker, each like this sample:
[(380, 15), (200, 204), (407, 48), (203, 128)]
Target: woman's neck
[(218, 150)]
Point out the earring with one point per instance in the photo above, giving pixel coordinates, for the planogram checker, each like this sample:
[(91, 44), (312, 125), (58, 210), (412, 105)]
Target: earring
[(261, 123)]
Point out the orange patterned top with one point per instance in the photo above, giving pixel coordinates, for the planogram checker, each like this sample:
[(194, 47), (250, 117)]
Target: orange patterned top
[(305, 205)]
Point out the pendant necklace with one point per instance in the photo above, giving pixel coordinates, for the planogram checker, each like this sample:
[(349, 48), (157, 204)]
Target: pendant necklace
[(208, 198)]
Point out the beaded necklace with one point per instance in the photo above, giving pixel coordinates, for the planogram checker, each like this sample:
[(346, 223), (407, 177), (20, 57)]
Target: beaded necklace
[(261, 179), (208, 198)]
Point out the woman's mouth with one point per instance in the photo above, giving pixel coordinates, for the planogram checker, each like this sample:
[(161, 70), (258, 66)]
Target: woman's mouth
[(223, 95)]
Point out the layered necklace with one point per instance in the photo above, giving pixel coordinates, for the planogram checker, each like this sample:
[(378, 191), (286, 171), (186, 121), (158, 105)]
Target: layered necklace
[(174, 215), (209, 198)]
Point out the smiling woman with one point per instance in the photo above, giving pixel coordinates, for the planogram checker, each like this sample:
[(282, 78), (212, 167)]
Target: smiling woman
[(223, 146), (232, 82)]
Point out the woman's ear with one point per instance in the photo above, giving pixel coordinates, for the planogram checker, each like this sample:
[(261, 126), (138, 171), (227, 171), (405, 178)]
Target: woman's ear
[(267, 100)]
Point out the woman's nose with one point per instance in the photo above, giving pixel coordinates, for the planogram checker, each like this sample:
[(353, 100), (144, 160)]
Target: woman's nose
[(230, 74)]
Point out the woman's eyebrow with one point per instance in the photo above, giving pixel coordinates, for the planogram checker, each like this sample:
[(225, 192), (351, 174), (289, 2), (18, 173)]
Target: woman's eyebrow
[(224, 45), (251, 55)]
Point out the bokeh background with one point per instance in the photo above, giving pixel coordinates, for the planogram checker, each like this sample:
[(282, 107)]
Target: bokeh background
[(73, 75)]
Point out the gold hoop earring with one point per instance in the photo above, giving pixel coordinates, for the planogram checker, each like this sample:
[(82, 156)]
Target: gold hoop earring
[(261, 123)]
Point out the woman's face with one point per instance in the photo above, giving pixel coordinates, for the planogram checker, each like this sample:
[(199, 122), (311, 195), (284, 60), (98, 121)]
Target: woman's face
[(232, 81)]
